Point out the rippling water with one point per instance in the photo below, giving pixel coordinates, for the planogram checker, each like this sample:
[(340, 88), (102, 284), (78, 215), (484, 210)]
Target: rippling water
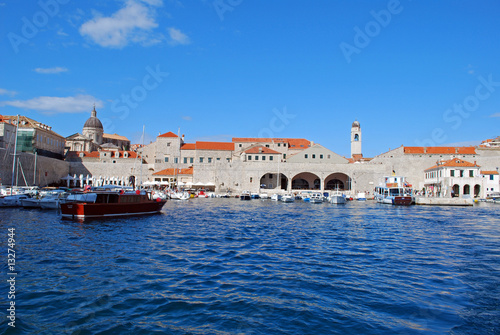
[(224, 266)]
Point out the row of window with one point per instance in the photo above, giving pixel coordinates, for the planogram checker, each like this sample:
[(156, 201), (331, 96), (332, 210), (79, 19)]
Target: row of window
[(256, 158), (50, 141), (190, 160), (313, 156), (267, 145), (453, 173)]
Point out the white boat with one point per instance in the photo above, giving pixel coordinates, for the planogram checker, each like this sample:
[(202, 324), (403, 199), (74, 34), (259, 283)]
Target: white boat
[(264, 196), (288, 198), (245, 195), (394, 190), (30, 202), (361, 196), (276, 197), (180, 196), (14, 200), (305, 195), (316, 198), (336, 197), (255, 195)]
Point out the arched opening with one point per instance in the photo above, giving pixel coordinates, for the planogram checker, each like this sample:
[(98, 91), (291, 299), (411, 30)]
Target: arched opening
[(306, 181), (466, 189), (271, 181), (477, 190), (339, 181), (455, 192), (356, 137)]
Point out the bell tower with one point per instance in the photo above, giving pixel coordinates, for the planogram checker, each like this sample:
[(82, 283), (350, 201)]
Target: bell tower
[(356, 139)]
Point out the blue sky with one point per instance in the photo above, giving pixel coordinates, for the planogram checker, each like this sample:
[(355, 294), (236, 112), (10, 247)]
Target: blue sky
[(411, 72)]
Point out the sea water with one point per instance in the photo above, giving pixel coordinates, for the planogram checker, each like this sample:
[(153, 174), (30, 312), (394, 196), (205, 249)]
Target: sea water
[(225, 266)]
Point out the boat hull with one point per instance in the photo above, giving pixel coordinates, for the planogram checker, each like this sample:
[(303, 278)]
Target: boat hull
[(403, 200), (96, 210), (337, 199)]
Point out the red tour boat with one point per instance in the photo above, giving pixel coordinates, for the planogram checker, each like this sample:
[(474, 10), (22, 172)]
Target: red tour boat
[(110, 203)]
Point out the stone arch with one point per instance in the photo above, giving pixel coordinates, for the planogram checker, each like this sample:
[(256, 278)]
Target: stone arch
[(270, 181), (477, 190), (338, 180), (466, 189), (456, 190), (306, 181)]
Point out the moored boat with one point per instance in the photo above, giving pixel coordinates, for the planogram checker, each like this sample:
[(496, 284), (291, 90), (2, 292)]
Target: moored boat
[(245, 195), (110, 203), (394, 190), (336, 197), (288, 198), (316, 198)]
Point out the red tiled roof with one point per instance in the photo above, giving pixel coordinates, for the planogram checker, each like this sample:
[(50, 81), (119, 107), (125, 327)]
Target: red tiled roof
[(440, 150), (169, 134), (294, 143), (489, 172), (258, 140), (228, 146), (414, 150), (188, 146), (261, 150), (454, 162), (173, 172)]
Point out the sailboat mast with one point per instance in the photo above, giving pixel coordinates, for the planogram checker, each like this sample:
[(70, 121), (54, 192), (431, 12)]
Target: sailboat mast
[(15, 153)]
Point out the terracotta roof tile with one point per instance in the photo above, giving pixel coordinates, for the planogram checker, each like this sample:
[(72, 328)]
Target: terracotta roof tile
[(489, 172), (440, 150), (414, 150), (169, 134), (454, 162), (261, 150), (298, 143), (225, 146), (188, 146), (115, 137), (173, 172)]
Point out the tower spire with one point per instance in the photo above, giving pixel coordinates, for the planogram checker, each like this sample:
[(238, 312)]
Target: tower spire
[(94, 113)]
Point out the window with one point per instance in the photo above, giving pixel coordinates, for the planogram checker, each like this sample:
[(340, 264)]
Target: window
[(256, 158), (279, 144), (305, 156), (320, 156), (270, 176), (168, 144), (251, 179), (491, 177), (284, 156), (249, 157), (452, 173), (328, 156), (270, 158), (239, 145), (228, 160), (267, 145), (461, 173), (201, 159), (113, 161), (185, 160), (176, 160), (471, 173), (218, 158), (191, 160), (284, 144), (263, 158), (313, 156), (166, 159), (210, 159)]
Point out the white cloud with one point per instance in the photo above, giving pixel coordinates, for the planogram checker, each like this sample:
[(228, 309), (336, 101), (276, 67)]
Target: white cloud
[(54, 105), (177, 37), (7, 92), (51, 70), (495, 115), (133, 23), (187, 118)]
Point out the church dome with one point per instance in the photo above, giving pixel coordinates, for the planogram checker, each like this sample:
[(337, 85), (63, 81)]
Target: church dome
[(93, 121), (355, 124)]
